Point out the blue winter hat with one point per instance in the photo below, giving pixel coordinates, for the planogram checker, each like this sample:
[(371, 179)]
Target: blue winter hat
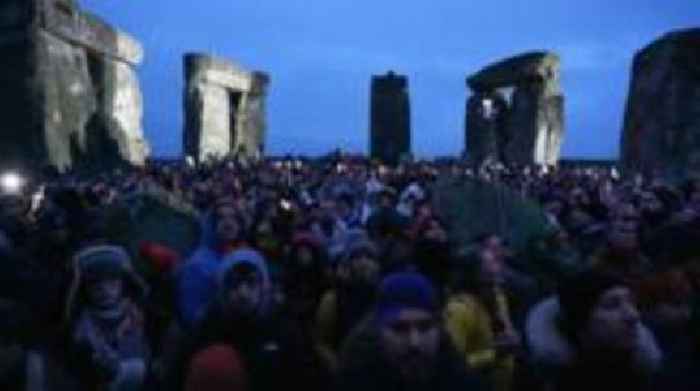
[(401, 291)]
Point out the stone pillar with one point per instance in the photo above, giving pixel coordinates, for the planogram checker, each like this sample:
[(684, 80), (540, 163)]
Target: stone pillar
[(390, 118), (224, 108), (525, 123), (661, 131), (255, 126), (69, 88)]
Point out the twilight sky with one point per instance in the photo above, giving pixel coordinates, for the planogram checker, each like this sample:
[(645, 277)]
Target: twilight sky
[(321, 54)]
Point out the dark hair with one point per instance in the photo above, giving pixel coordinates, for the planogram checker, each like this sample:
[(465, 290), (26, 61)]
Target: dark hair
[(578, 296)]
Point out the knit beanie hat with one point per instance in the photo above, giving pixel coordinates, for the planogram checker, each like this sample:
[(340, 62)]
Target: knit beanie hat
[(401, 291), (216, 368), (579, 294)]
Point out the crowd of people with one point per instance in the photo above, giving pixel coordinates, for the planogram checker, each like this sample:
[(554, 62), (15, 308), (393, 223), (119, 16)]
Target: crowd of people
[(342, 274)]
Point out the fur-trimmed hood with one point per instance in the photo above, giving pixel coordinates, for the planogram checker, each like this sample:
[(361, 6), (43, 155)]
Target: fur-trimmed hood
[(136, 287), (550, 348), (240, 257)]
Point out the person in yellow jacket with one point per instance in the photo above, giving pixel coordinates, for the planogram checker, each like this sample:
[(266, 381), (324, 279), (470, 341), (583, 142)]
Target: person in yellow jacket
[(345, 306), (477, 318)]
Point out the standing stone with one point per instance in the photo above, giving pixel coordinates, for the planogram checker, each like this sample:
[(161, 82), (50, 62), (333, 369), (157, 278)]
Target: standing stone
[(527, 127), (662, 122), (390, 133), (224, 108), (70, 92)]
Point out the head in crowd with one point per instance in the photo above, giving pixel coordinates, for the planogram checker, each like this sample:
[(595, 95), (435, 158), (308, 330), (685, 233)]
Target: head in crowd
[(665, 298), (305, 274), (408, 323), (479, 273), (229, 225), (362, 263), (103, 281), (599, 313), (244, 284)]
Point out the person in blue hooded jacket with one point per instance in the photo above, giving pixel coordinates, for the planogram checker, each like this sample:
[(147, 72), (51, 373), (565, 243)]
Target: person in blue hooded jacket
[(222, 234), (242, 317)]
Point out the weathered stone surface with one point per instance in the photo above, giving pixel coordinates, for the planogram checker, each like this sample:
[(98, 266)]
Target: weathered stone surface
[(69, 99), (69, 85), (535, 66), (662, 122), (224, 108), (390, 132), (526, 128), (123, 106)]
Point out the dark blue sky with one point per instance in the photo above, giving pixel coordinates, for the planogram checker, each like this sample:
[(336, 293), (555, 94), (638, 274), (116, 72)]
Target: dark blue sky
[(322, 53)]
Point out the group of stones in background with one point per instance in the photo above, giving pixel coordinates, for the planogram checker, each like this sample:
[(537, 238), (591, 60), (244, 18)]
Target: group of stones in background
[(515, 115), (70, 94), (70, 97)]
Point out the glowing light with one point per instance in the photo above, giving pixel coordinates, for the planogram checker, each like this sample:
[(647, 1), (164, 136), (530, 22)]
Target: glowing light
[(11, 183)]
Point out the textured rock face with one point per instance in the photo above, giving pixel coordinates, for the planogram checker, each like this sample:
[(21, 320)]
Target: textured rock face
[(70, 88), (662, 122), (224, 108), (390, 133), (527, 127)]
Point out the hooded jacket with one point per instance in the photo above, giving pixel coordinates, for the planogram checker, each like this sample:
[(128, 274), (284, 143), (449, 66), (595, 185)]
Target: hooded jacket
[(271, 345), (195, 279), (240, 257), (119, 342)]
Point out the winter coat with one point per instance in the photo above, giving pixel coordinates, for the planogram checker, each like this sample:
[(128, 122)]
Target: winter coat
[(196, 281), (195, 278), (339, 312), (271, 344), (112, 354), (556, 362), (470, 327)]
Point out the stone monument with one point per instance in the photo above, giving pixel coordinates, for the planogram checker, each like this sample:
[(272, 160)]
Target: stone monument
[(70, 95), (516, 111), (390, 118), (661, 131), (224, 108)]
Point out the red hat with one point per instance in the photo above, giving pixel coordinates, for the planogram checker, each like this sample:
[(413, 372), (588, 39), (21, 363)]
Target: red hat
[(216, 368), (161, 257), (304, 238)]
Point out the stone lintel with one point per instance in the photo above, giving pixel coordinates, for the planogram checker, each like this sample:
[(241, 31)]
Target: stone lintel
[(535, 66)]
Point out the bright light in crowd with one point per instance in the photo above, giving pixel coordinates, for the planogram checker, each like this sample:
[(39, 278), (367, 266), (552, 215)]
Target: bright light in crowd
[(11, 183), (488, 109)]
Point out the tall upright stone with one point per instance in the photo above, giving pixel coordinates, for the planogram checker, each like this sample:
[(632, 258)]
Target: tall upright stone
[(516, 111), (225, 108), (70, 95), (390, 118), (662, 122)]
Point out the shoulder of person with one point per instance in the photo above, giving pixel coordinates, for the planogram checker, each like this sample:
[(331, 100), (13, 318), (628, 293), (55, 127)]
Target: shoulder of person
[(463, 302)]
